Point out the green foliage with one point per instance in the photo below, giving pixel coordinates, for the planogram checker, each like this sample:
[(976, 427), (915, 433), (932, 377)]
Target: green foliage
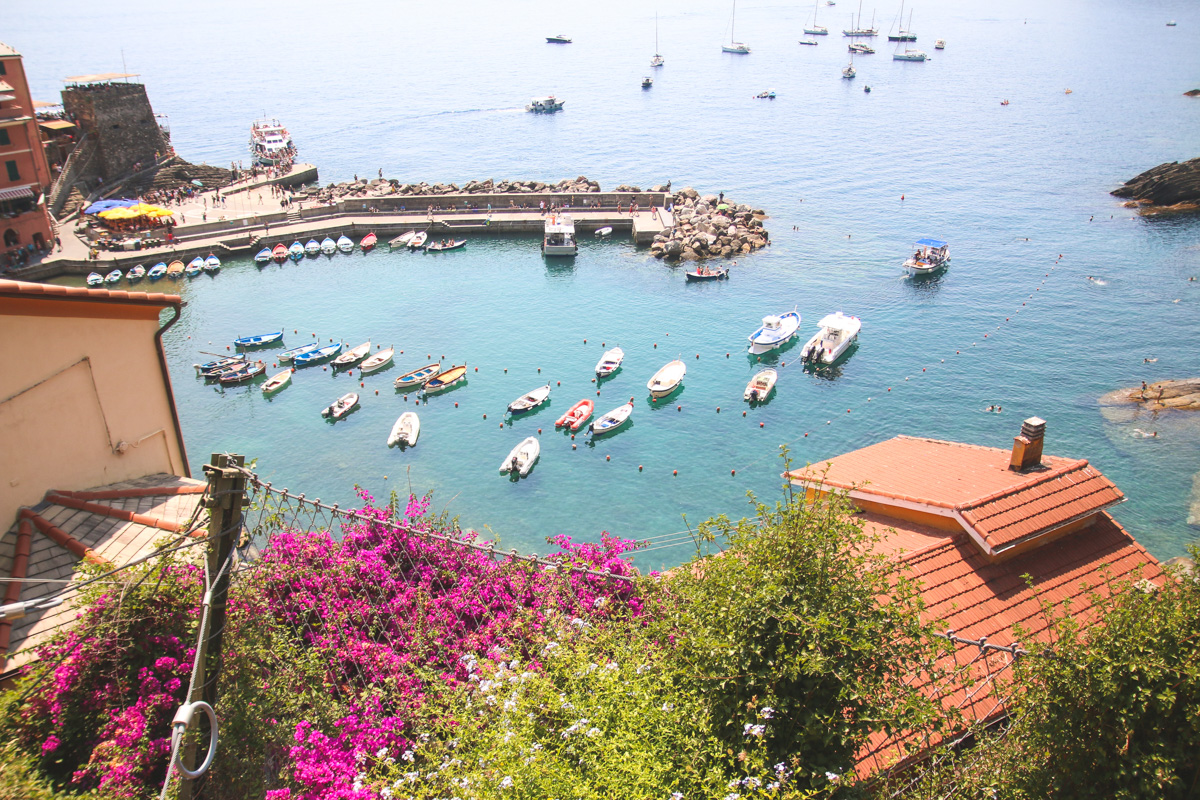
[(21, 780)]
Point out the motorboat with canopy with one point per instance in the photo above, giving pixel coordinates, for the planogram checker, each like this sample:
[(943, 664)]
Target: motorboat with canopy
[(930, 256), (837, 332)]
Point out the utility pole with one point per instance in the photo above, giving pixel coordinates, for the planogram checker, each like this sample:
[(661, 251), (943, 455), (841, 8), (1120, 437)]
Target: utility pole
[(226, 497)]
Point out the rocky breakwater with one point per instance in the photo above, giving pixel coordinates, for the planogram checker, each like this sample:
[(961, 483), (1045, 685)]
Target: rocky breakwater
[(1168, 187), (384, 187), (709, 226)]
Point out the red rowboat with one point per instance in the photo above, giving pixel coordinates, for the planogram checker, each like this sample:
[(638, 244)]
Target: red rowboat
[(279, 253), (368, 242), (579, 414)]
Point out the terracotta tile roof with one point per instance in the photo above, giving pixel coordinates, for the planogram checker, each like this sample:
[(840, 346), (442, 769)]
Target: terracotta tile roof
[(1048, 501), (975, 597), (899, 536), (927, 471), (11, 288)]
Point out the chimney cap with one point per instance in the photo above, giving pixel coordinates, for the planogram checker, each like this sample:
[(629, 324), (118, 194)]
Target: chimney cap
[(1035, 421)]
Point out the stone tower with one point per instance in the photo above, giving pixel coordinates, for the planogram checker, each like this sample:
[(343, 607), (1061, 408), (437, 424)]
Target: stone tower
[(117, 116)]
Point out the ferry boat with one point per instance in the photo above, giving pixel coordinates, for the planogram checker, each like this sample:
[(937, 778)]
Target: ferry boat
[(930, 256), (837, 332), (270, 143), (545, 105), (559, 239)]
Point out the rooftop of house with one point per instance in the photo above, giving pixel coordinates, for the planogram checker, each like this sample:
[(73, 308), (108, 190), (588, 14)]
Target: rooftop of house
[(8, 52), (52, 291), (112, 525), (975, 485)]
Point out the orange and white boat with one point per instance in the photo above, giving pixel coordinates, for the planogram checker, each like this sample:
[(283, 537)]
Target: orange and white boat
[(580, 413)]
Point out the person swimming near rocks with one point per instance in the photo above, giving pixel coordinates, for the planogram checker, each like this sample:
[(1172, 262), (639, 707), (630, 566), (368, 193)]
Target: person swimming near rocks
[(1138, 433)]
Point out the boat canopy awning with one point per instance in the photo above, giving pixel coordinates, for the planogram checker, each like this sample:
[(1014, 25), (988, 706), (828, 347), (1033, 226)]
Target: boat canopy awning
[(16, 192), (931, 242), (840, 321)]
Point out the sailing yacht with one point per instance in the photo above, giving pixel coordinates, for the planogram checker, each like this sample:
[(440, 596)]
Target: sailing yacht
[(816, 30), (903, 35), (849, 72), (658, 60), (859, 30), (734, 46)]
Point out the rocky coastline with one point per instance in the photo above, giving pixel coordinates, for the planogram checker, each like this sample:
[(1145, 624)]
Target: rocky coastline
[(1181, 395), (388, 187), (709, 226), (1174, 186)]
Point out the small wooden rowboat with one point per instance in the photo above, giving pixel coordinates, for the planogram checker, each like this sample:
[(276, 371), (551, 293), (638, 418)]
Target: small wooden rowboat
[(449, 244), (211, 264), (247, 372), (261, 340), (279, 253), (345, 243), (288, 355), (296, 251), (368, 242), (530, 401), (406, 430), (277, 382), (611, 421), (418, 376), (610, 362), (353, 356), (95, 279), (667, 379), (315, 356), (157, 271), (196, 263), (136, 274), (114, 276), (418, 240), (579, 414), (312, 248), (760, 386), (220, 363), (175, 268), (341, 407), (605, 231), (707, 274), (263, 256), (522, 457), (191, 270), (328, 246), (444, 380), (377, 361), (402, 240)]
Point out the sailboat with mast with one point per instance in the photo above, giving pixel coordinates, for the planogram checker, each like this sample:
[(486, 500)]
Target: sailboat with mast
[(734, 46), (903, 35), (848, 72), (658, 60), (859, 30), (816, 30)]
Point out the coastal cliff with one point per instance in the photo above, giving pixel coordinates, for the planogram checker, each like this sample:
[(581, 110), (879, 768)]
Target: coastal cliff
[(1173, 185)]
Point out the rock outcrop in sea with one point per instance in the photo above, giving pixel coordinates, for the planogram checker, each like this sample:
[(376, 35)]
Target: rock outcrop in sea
[(709, 226), (1182, 394), (1174, 185)]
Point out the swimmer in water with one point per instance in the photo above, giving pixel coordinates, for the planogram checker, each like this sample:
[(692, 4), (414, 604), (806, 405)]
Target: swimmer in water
[(1141, 434), (990, 409), (1147, 361)]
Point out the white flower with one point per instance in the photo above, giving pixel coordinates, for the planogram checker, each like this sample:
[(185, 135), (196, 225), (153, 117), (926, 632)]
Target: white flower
[(594, 732), (357, 785), (767, 712), (381, 752), (509, 705), (732, 796), (676, 796), (773, 786), (490, 699), (601, 602), (643, 668), (832, 777), (668, 707), (751, 781), (411, 776), (508, 736), (611, 665), (507, 782), (733, 784), (385, 793), (408, 755), (578, 623), (781, 768), (753, 730)]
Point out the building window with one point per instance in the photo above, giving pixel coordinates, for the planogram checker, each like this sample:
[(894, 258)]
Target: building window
[(14, 174), (4, 140), (11, 239), (3, 69)]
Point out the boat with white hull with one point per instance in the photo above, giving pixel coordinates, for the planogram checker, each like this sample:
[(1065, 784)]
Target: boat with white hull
[(270, 143), (530, 401), (559, 236), (776, 331), (667, 379), (522, 457), (931, 255), (837, 332), (760, 386), (610, 362), (406, 430), (611, 421)]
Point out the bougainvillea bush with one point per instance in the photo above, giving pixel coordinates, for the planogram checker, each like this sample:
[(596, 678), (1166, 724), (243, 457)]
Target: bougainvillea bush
[(378, 661)]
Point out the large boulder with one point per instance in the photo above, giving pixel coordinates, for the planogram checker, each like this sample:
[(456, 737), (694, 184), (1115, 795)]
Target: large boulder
[(1165, 185)]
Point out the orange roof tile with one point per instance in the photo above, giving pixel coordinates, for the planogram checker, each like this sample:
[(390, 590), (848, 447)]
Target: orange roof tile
[(11, 288), (979, 598), (899, 536)]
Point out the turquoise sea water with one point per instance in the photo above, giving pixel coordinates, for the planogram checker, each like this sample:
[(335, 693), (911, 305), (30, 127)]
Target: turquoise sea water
[(429, 93)]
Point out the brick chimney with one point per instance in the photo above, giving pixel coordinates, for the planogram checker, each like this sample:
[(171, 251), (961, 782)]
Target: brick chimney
[(1027, 448)]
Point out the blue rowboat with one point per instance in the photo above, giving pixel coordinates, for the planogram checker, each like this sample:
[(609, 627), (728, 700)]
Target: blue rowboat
[(260, 340), (288, 355), (318, 355), (263, 256), (197, 263), (445, 380), (136, 274), (193, 269), (219, 364), (418, 376), (113, 277), (296, 251), (313, 247), (95, 279), (212, 263), (157, 271)]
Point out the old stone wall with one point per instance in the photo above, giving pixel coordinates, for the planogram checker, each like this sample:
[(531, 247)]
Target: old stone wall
[(119, 117)]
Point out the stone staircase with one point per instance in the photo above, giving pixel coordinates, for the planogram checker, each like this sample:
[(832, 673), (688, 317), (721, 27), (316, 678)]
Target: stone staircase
[(293, 215)]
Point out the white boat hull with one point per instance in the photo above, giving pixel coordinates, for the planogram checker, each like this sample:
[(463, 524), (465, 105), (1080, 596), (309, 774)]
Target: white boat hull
[(406, 430), (522, 457), (667, 379), (377, 361), (611, 421), (765, 340), (760, 386), (530, 401), (610, 362)]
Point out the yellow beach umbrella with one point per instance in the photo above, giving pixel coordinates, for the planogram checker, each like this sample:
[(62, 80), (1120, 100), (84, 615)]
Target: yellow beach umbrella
[(120, 213)]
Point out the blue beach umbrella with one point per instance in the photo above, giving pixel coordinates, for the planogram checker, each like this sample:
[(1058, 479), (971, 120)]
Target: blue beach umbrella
[(105, 205)]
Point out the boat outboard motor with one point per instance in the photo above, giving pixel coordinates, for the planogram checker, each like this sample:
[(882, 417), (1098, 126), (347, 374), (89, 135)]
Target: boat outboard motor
[(754, 395), (592, 428)]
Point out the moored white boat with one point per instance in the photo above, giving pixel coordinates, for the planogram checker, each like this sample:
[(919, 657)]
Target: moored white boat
[(559, 236), (610, 362), (157, 271), (611, 421), (402, 240), (530, 400), (377, 361), (522, 457), (295, 251), (96, 279), (114, 276), (418, 376), (212, 263), (270, 143), (406, 430), (288, 355), (277, 382), (775, 332), (318, 355), (345, 243), (312, 247), (258, 340), (191, 270), (910, 55), (940, 44), (341, 407), (418, 240), (667, 379), (576, 415), (605, 231), (445, 244), (930, 256), (760, 385), (136, 274), (353, 355), (837, 332), (328, 246), (176, 270)]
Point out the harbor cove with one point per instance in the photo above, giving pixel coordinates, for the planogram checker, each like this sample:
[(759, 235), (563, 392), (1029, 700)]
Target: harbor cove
[(704, 400)]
